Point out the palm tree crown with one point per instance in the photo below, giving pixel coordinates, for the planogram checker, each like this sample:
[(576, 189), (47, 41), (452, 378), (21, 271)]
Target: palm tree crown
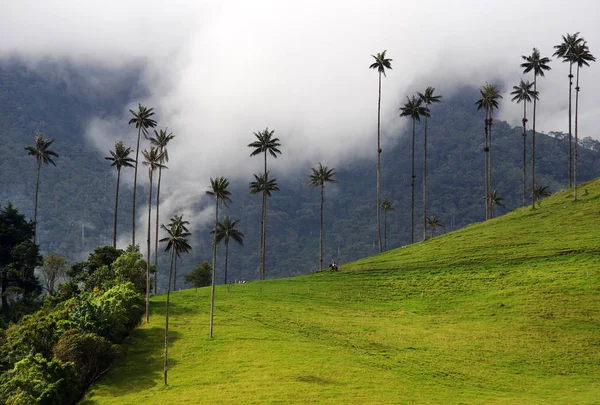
[(428, 98), (142, 118), (218, 189), (153, 159), (262, 183), (535, 63), (414, 109), (381, 62), (580, 55), (41, 150), (524, 92), (489, 97), (177, 234), (563, 49), (265, 143), (120, 156), (160, 139), (321, 175), (226, 230)]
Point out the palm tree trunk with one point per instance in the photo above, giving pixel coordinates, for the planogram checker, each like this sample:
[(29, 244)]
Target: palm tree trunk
[(156, 230), (570, 134), (37, 187), (379, 163), (485, 150), (226, 257), (137, 152), (412, 189), (533, 146), (214, 272), (385, 230), (576, 137), (148, 252), (263, 237), (425, 181), (175, 275), (116, 208), (524, 153), (490, 187), (321, 232), (166, 363)]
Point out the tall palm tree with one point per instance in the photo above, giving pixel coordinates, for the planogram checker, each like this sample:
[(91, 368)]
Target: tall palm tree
[(538, 64), (178, 220), (496, 200), (524, 93), (142, 118), (152, 159), (427, 98), (177, 243), (562, 51), (386, 206), (488, 101), (414, 110), (381, 64), (265, 143), (161, 139), (434, 222), (218, 190), (262, 184), (581, 56), (43, 154), (119, 158), (318, 178), (226, 230)]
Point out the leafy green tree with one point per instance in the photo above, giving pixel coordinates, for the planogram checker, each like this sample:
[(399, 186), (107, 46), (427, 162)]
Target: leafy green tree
[(538, 64), (161, 139), (152, 159), (434, 222), (488, 101), (266, 144), (53, 269), (131, 267), (318, 178), (43, 154), (581, 56), (428, 98), (563, 50), (381, 64), (142, 118), (262, 184), (218, 190), (225, 231), (414, 110), (177, 242), (386, 206), (524, 93), (200, 276), (119, 158)]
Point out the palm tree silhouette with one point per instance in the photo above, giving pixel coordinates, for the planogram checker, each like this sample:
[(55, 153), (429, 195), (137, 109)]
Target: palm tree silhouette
[(318, 178), (119, 158), (496, 200), (427, 98), (161, 139), (386, 206), (265, 143), (142, 120), (43, 154), (381, 64), (524, 93), (434, 222), (177, 242), (262, 184), (218, 190), (414, 110), (538, 64), (226, 230)]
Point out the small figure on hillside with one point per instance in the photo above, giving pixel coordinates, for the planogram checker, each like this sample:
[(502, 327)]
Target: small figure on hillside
[(333, 266)]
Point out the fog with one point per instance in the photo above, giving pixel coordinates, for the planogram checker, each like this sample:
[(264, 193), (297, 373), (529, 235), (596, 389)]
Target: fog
[(217, 71)]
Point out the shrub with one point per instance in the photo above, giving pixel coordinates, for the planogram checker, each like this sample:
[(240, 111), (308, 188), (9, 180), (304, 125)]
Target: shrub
[(131, 267)]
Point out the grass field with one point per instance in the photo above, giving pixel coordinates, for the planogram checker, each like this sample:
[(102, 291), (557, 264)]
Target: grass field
[(503, 312)]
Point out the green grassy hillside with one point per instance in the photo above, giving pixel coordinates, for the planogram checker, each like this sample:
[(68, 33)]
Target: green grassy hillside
[(503, 312)]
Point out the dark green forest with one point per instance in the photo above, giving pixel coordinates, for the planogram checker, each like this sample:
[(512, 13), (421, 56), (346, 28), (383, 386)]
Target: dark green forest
[(76, 199)]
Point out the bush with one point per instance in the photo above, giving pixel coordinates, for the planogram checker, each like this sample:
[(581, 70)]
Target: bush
[(131, 267), (90, 354)]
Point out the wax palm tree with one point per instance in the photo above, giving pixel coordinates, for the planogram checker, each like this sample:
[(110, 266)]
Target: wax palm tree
[(540, 192), (266, 144), (434, 222), (142, 118), (414, 110), (262, 184), (386, 206), (226, 230), (581, 56), (317, 178), (488, 101), (524, 93), (152, 159), (538, 64), (43, 154), (177, 243), (161, 139), (562, 51), (178, 220), (119, 158), (381, 64), (218, 190), (496, 200), (427, 98)]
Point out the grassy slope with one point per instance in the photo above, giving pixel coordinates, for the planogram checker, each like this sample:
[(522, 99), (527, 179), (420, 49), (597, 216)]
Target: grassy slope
[(497, 313)]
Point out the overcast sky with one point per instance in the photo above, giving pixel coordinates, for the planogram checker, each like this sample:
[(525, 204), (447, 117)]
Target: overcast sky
[(217, 71)]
